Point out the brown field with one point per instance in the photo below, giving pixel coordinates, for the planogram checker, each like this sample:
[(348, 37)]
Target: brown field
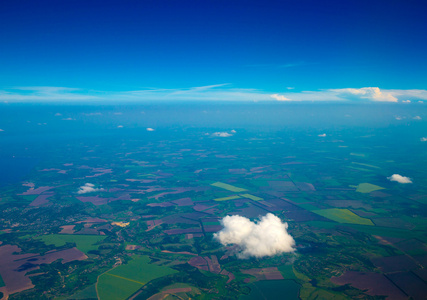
[(199, 262), (394, 263), (376, 284), (37, 191), (42, 199), (96, 200), (183, 202), (13, 268), (67, 229), (264, 273), (410, 284), (228, 274)]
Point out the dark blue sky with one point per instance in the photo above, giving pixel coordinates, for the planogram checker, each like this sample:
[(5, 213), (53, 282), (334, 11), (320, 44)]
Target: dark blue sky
[(263, 45)]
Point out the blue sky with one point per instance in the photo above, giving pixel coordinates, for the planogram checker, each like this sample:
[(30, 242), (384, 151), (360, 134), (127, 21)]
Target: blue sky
[(225, 50)]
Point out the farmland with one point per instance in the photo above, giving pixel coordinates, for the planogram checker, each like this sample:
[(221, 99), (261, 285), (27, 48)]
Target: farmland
[(134, 214)]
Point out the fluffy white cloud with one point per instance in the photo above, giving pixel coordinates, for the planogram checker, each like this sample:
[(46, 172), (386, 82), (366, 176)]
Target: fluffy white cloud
[(222, 134), (322, 135), (417, 118), (88, 188), (280, 97), (399, 178), (423, 139), (368, 93), (150, 129), (267, 237)]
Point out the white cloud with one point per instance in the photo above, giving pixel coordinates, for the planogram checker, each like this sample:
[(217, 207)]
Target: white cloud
[(215, 92), (406, 101), (1, 130), (398, 118), (399, 178), (68, 119), (120, 126), (222, 134), (280, 97), (322, 135), (58, 114), (267, 237), (233, 131), (150, 129), (368, 93), (423, 139), (88, 188), (417, 118)]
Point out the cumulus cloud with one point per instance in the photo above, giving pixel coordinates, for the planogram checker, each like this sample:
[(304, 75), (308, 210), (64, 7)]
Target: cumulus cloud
[(406, 101), (423, 139), (222, 134), (368, 93), (150, 129), (417, 118), (267, 237), (88, 188), (1, 129), (399, 178), (120, 126), (322, 135), (280, 97)]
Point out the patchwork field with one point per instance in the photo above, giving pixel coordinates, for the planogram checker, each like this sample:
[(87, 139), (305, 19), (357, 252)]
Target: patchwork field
[(122, 281)]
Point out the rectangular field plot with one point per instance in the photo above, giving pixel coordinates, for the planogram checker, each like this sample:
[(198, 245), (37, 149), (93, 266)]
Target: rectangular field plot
[(122, 281), (343, 216), (228, 187), (252, 197), (227, 198)]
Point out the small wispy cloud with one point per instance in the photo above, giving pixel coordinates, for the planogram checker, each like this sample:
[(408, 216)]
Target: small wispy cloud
[(280, 97), (222, 134), (88, 188)]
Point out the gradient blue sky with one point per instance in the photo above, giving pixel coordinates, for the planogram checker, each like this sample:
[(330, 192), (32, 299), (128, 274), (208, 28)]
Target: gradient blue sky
[(230, 49)]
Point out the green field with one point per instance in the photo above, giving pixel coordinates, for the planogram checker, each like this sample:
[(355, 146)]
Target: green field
[(122, 281), (228, 187), (343, 216), (227, 198), (273, 289), (87, 293), (84, 243), (252, 197), (368, 187)]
